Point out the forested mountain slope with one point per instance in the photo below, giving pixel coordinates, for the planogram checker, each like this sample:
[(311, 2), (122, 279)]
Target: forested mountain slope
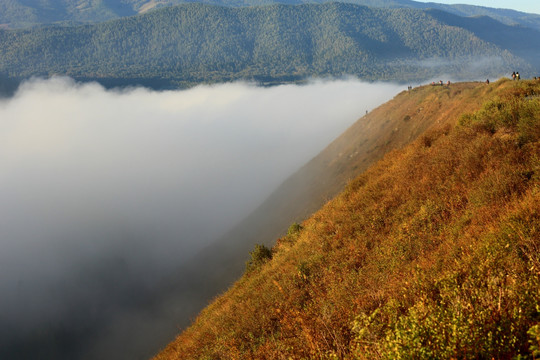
[(515, 39), (196, 43), (17, 13), (431, 253)]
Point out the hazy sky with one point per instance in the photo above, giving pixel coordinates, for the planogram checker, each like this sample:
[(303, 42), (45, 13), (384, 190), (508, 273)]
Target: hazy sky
[(531, 6)]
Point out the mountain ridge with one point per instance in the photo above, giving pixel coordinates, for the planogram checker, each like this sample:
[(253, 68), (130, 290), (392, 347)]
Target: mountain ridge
[(21, 14), (438, 235), (190, 44), (411, 112)]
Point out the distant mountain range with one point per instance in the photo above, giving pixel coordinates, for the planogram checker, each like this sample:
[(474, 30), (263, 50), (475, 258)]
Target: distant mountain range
[(193, 43), (21, 13)]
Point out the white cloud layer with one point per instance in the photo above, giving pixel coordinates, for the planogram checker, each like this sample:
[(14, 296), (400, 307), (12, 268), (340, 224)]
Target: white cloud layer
[(147, 176)]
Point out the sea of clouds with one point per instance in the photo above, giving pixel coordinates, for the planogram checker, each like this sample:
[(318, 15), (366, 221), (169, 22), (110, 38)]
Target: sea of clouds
[(104, 191)]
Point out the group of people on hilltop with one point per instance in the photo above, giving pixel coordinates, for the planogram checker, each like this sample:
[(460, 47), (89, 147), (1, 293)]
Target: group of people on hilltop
[(515, 76), (441, 83)]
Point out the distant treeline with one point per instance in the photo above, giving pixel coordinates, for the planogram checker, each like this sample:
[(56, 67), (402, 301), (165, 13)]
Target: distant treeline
[(28, 13), (197, 43)]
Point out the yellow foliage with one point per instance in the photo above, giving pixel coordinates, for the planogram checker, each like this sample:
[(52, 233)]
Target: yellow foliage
[(437, 238)]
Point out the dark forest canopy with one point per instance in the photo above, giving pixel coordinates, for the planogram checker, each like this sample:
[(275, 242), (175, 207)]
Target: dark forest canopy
[(24, 13), (195, 43)]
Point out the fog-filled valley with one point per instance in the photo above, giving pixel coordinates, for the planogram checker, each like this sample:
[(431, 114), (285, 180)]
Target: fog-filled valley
[(106, 192), (157, 157)]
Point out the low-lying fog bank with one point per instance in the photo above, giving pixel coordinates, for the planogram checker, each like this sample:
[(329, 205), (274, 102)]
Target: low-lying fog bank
[(104, 192)]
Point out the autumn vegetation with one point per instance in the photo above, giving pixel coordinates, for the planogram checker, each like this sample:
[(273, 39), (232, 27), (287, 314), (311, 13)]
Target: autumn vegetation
[(432, 253)]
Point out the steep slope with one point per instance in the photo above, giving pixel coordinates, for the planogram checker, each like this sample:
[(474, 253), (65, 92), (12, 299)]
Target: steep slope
[(196, 43), (431, 253), (390, 126)]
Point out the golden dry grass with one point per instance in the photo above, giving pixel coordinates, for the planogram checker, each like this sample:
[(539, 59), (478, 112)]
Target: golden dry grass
[(431, 253)]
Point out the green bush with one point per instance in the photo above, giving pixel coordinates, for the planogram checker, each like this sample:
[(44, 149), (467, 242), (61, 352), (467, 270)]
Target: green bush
[(534, 340), (259, 256), (294, 230)]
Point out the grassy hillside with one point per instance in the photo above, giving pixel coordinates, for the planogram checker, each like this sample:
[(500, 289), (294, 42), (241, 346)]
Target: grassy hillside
[(433, 252), (390, 126), (196, 43)]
